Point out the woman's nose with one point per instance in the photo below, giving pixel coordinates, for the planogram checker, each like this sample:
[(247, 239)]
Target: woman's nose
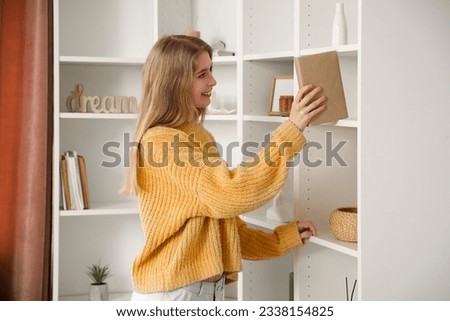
[(213, 81)]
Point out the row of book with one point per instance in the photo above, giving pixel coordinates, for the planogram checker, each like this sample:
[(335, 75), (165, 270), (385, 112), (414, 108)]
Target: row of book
[(74, 184)]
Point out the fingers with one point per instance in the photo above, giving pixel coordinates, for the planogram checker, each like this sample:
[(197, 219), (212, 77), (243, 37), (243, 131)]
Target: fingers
[(307, 104), (306, 229), (310, 92), (308, 225), (303, 91), (305, 235)]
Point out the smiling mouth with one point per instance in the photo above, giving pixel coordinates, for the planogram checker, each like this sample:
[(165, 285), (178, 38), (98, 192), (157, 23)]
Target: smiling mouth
[(208, 94)]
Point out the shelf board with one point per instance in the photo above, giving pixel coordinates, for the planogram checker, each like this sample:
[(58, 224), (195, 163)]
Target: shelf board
[(271, 56), (92, 60), (349, 122), (75, 115), (68, 115), (261, 220), (279, 119), (326, 239), (113, 296), (230, 117), (347, 50), (105, 208), (224, 60), (87, 60), (265, 119)]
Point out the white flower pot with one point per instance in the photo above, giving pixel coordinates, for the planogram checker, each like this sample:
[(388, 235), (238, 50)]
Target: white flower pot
[(98, 292)]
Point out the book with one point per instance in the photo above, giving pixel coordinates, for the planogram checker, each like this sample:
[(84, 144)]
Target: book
[(74, 183), (323, 70), (84, 182), (74, 180), (65, 191)]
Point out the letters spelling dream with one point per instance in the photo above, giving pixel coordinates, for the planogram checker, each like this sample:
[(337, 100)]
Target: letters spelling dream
[(76, 102)]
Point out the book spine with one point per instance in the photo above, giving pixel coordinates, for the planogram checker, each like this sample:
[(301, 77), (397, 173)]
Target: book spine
[(65, 191), (298, 72), (84, 182)]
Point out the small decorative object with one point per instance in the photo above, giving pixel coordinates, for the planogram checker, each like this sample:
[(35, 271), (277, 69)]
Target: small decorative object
[(214, 110), (193, 33), (220, 111), (339, 31), (291, 286), (285, 103), (99, 288), (343, 224), (281, 92), (106, 104), (218, 49), (282, 209), (346, 289)]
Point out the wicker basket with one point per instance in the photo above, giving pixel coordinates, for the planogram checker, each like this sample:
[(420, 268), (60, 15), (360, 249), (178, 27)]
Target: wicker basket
[(343, 223)]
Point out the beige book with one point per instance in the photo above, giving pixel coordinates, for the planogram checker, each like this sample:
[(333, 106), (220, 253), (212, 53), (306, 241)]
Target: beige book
[(323, 70)]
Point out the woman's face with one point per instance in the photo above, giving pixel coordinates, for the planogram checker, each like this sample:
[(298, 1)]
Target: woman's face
[(204, 81)]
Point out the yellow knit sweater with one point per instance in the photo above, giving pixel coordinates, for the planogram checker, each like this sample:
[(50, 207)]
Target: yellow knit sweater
[(190, 203)]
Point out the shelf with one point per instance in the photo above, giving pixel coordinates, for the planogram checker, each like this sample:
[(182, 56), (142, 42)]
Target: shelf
[(224, 60), (353, 123), (265, 119), (261, 221), (326, 239), (104, 208), (348, 50), (91, 60), (86, 60), (117, 296), (231, 117), (90, 54), (68, 115), (271, 56)]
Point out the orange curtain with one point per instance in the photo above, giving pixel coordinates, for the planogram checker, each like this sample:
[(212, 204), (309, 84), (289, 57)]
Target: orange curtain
[(25, 148)]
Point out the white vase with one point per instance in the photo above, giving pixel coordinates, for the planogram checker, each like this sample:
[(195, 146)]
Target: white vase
[(339, 32), (282, 209), (98, 292)]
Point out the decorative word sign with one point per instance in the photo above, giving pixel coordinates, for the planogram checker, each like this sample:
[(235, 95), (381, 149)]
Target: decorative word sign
[(76, 102)]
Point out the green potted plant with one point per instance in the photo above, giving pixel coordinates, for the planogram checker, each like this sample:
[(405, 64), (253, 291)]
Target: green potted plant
[(99, 288)]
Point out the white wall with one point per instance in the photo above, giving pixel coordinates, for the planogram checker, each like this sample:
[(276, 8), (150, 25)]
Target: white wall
[(405, 142)]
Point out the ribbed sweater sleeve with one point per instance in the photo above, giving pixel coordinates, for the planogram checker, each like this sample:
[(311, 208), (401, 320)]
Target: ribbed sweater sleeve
[(259, 245), (228, 193)]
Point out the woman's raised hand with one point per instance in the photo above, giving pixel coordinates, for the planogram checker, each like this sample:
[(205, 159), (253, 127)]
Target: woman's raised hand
[(304, 108)]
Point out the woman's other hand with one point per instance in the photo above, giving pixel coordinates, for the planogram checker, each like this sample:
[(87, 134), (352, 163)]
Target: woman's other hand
[(306, 229)]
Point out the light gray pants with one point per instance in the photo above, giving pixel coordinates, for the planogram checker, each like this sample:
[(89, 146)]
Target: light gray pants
[(199, 291)]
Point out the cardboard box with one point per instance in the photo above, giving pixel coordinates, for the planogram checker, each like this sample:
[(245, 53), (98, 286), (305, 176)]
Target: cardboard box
[(323, 70)]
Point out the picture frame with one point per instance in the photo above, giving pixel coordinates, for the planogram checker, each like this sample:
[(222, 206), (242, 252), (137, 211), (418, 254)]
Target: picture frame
[(281, 92)]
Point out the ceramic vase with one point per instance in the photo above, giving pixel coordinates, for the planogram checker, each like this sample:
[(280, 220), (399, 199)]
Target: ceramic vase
[(282, 209), (339, 32)]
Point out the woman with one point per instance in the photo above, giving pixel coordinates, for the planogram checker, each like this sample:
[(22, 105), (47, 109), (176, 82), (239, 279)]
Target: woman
[(190, 202)]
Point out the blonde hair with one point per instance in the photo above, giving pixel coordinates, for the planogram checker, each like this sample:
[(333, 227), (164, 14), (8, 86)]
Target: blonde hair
[(166, 92)]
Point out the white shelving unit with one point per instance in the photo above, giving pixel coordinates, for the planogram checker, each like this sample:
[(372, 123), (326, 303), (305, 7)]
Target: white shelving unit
[(104, 43)]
